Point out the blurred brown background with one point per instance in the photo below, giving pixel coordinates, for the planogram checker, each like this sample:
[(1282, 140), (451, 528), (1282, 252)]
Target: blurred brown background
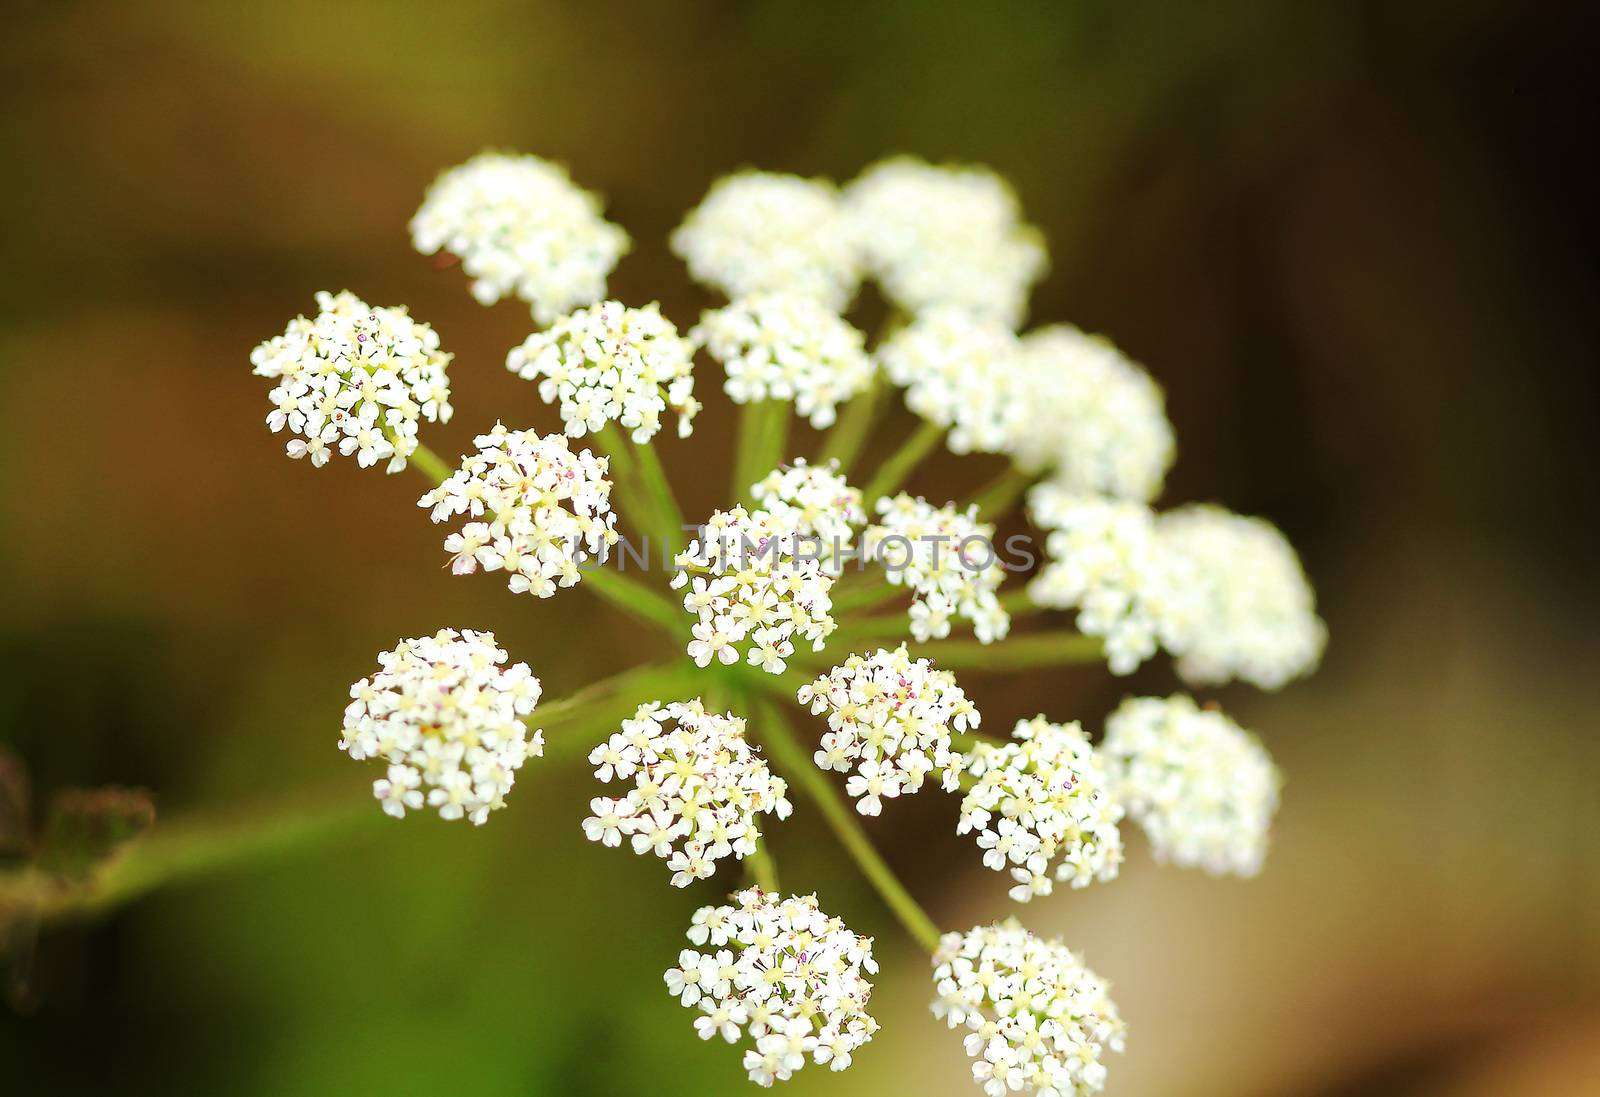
[(1355, 241)]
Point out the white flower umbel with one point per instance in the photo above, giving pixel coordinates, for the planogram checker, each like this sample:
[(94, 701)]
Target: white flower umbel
[(1105, 561), (1037, 1020), (357, 379), (963, 373), (948, 559), (1254, 614), (1043, 802), (786, 346), (1204, 789), (698, 789), (757, 580), (889, 723), (815, 501), (791, 978), (945, 235), (757, 232), (534, 508), (521, 227), (1094, 420), (612, 364), (448, 719)]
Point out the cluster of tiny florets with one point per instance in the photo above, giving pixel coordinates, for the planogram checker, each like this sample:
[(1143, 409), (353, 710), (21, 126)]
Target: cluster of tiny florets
[(962, 373), (816, 501), (535, 509), (448, 719), (945, 235), (947, 557), (1094, 420), (521, 227), (1254, 614), (890, 718), (1204, 789), (758, 579), (1037, 1020), (1040, 801), (785, 974), (1106, 562), (358, 379), (612, 364), (786, 346), (698, 789), (758, 232)]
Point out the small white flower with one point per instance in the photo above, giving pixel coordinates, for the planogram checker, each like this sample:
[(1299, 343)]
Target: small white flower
[(758, 232), (445, 715), (945, 235), (544, 510), (1037, 1020), (1039, 801), (818, 504), (698, 789), (612, 364), (521, 227), (794, 980), (1203, 788), (964, 373), (786, 346), (357, 379), (948, 559)]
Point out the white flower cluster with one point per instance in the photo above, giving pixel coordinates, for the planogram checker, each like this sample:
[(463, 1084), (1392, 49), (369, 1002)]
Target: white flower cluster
[(1106, 561), (947, 558), (1203, 788), (1254, 614), (698, 788), (889, 720), (447, 717), (1037, 1020), (757, 578), (945, 235), (787, 975), (1040, 797), (1094, 419), (537, 510), (522, 227), (786, 346), (817, 503), (758, 232), (963, 373), (612, 364), (358, 378)]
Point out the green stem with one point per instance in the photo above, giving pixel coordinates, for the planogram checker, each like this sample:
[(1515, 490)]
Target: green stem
[(633, 598), (900, 465), (996, 498), (430, 464), (1017, 603), (762, 869), (654, 480), (1039, 649), (763, 432), (643, 510), (850, 431), (792, 757)]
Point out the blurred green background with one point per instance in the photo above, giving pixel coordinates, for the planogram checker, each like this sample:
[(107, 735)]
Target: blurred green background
[(1356, 243)]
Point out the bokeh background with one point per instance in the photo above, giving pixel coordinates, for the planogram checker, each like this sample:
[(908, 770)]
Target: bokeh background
[(1356, 242)]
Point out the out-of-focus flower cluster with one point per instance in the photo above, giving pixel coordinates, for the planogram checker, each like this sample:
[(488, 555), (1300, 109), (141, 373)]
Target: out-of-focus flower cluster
[(522, 227), (357, 378), (963, 373), (1203, 788), (785, 974), (947, 558), (448, 719), (816, 502), (945, 235), (1043, 802), (536, 510), (697, 789), (612, 364), (890, 718), (757, 578), (759, 232), (1037, 1019), (786, 346)]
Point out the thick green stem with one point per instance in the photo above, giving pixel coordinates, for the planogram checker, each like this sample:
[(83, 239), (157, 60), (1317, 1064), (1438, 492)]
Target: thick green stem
[(903, 462), (762, 869), (430, 464), (1039, 649), (763, 432), (654, 480), (642, 509), (797, 765), (996, 499), (849, 433), (633, 598)]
